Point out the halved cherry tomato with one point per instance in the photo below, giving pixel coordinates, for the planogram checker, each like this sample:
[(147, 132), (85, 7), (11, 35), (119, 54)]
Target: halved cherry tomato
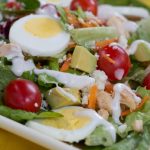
[(146, 82), (23, 94), (114, 61), (86, 5)]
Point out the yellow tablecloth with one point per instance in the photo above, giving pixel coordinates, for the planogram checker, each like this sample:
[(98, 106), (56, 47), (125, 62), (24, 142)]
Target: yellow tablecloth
[(11, 142)]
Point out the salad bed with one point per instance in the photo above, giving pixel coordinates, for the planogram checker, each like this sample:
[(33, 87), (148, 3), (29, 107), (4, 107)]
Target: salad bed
[(78, 71)]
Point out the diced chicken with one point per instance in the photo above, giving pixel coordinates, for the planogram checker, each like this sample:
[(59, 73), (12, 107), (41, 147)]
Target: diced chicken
[(118, 23), (104, 101), (104, 113), (10, 51), (138, 126), (128, 99)]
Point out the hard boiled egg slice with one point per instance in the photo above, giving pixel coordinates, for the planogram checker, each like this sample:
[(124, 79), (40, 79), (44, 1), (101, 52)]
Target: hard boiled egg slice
[(39, 35), (76, 124), (63, 3)]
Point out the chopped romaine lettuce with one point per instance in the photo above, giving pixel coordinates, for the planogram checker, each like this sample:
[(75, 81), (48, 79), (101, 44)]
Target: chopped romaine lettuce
[(143, 30), (142, 91), (29, 75), (88, 36), (46, 80), (53, 64), (100, 136), (21, 116)]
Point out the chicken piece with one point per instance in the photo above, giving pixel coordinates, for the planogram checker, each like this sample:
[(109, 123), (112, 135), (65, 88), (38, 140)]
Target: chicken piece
[(104, 101), (118, 23), (103, 113), (128, 99), (10, 51), (138, 126)]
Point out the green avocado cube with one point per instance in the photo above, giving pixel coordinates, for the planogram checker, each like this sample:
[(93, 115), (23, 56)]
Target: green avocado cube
[(83, 60), (142, 53), (60, 97)]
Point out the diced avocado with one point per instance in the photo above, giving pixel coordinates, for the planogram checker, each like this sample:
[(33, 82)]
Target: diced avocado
[(60, 97), (87, 36), (83, 60), (143, 52)]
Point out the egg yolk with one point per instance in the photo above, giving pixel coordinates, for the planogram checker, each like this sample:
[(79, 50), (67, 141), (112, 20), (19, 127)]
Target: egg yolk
[(43, 27), (70, 121)]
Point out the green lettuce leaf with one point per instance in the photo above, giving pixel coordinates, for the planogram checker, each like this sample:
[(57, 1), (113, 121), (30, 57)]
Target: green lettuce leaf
[(53, 64), (88, 36), (143, 30), (29, 75), (144, 143), (21, 116), (30, 6), (46, 80), (142, 91), (128, 143), (100, 136)]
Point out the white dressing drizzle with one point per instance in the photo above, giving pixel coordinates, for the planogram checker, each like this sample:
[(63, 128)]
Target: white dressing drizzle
[(19, 65), (67, 94), (132, 49), (130, 26), (99, 121), (69, 80), (116, 109)]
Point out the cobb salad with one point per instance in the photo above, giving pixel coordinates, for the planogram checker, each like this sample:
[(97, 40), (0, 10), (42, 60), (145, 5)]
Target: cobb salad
[(77, 71)]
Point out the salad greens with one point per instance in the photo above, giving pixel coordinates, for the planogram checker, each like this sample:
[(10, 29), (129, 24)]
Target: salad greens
[(26, 7), (46, 81), (81, 36), (22, 116), (100, 136), (78, 25)]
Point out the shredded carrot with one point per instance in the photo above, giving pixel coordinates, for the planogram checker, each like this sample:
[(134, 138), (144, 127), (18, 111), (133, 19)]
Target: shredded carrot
[(127, 112), (88, 24), (109, 87), (66, 64), (72, 19), (92, 97), (101, 44), (109, 59)]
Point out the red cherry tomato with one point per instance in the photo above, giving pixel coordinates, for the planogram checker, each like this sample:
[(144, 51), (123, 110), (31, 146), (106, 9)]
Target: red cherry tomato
[(23, 94), (14, 5), (114, 61), (86, 5), (146, 82)]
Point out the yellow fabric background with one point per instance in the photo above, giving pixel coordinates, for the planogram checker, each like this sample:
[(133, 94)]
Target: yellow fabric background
[(11, 142)]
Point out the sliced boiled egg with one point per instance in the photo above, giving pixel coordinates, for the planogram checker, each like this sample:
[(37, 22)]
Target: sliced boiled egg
[(76, 124), (39, 35), (63, 3)]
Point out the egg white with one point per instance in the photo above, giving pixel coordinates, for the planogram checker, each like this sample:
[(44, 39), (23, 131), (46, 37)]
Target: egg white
[(68, 135), (63, 3), (37, 46)]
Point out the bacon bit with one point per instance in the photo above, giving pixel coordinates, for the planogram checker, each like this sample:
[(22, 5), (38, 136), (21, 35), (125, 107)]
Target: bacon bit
[(127, 112), (66, 64), (101, 44), (109, 59), (72, 19), (109, 87), (92, 97)]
